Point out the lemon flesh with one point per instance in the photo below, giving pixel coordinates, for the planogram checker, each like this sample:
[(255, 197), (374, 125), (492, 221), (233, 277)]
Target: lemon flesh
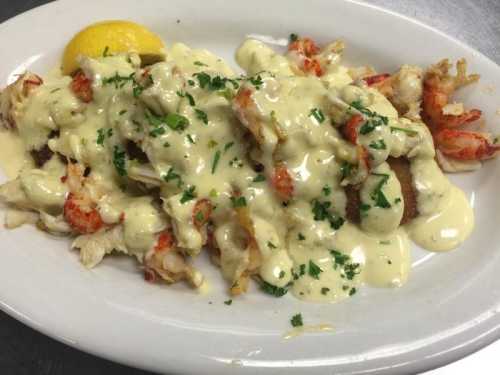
[(112, 37)]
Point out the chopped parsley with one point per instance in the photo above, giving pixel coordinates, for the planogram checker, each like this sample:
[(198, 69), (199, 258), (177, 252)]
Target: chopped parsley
[(324, 290), (213, 193), (271, 245), (281, 274), (228, 302), (173, 120), (346, 169), (190, 82), (100, 136), (339, 259), (326, 190), (314, 270), (256, 81), (201, 115), (119, 161), (385, 242), (293, 37), (351, 270), (363, 209), (301, 237), (296, 320), (214, 83), (373, 119), (378, 145), (409, 132), (236, 162), (259, 178), (397, 200), (228, 145), (199, 63), (172, 175), (166, 144), (105, 53), (352, 291), (215, 162), (188, 96), (212, 143), (55, 90), (190, 139), (302, 272), (238, 201), (273, 289), (188, 194), (317, 114), (118, 80), (377, 195), (199, 217), (348, 269), (122, 112), (321, 212)]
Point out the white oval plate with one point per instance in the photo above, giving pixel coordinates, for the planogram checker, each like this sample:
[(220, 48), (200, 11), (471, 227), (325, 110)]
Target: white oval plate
[(448, 309)]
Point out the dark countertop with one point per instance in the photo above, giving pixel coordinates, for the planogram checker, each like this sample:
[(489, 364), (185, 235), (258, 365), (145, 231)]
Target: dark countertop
[(25, 351)]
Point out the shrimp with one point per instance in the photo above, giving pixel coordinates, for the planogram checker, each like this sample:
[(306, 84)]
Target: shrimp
[(79, 210), (350, 129), (167, 262), (201, 213), (246, 111), (438, 87), (282, 182), (465, 145), (450, 141), (82, 87), (303, 52)]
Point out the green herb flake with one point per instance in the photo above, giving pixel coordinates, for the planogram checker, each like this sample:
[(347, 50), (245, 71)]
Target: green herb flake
[(325, 291), (228, 302), (346, 170), (172, 175), (296, 320), (212, 143), (188, 194), (273, 290), (119, 161), (256, 81), (321, 212), (384, 242), (271, 245), (259, 178), (377, 195), (317, 114), (118, 81), (339, 259), (314, 270), (122, 112), (301, 237), (345, 287), (166, 144), (282, 274), (397, 200), (238, 201), (293, 37), (188, 96), (215, 161), (409, 132), (55, 90), (228, 145), (201, 115), (199, 63), (378, 145), (105, 53), (352, 291), (190, 82), (100, 136), (190, 139), (326, 190)]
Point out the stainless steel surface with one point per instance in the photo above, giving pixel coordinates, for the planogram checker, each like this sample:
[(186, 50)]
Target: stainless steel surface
[(25, 351)]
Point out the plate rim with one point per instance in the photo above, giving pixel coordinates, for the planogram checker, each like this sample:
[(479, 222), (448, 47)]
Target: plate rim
[(481, 339)]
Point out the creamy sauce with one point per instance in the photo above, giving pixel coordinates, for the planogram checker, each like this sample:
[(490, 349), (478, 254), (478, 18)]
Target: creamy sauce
[(207, 150)]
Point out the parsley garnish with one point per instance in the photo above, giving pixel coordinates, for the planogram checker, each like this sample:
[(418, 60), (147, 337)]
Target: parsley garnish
[(293, 37), (188, 194), (166, 144), (281, 274), (339, 259), (348, 269), (201, 115), (238, 201), (214, 83), (228, 145), (228, 302), (314, 270), (378, 145), (100, 136), (173, 120), (188, 96), (58, 89), (172, 175), (411, 133), (215, 161), (105, 53), (199, 63), (373, 120), (119, 161), (256, 81), (122, 112), (326, 190), (385, 242), (324, 291), (273, 289), (346, 169), (377, 195), (302, 272), (397, 200), (190, 139), (259, 178), (317, 114), (118, 80), (301, 237), (363, 209), (320, 211), (212, 143), (352, 291), (271, 245), (296, 320)]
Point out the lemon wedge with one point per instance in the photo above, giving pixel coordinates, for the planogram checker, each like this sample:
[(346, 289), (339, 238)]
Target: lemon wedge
[(110, 37)]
